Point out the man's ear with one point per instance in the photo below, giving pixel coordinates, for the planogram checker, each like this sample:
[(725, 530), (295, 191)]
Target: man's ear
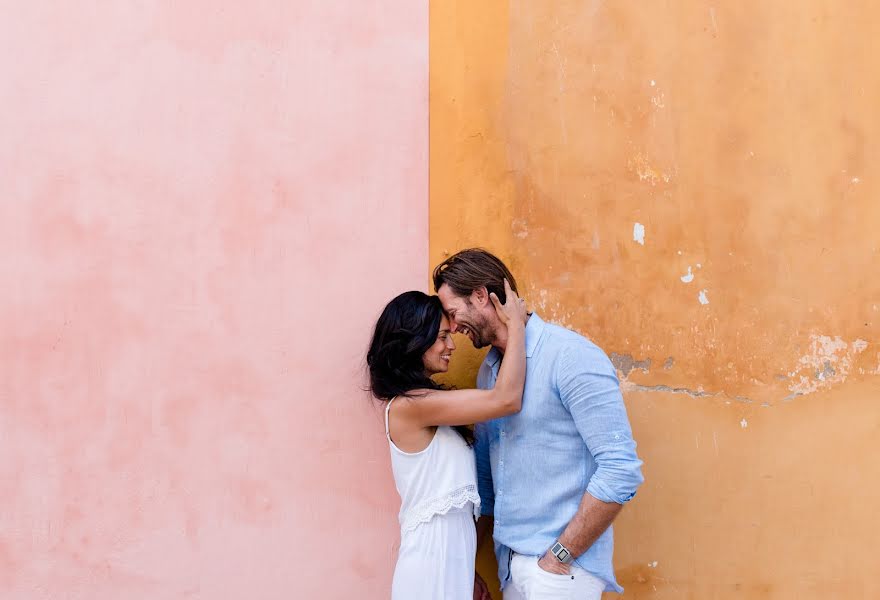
[(480, 296)]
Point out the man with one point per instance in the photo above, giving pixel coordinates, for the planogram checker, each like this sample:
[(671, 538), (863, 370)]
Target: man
[(556, 474)]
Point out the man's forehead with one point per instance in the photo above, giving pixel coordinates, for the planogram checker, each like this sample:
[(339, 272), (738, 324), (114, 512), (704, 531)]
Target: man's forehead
[(448, 298)]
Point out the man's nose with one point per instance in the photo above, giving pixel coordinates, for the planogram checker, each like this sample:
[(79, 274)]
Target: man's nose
[(453, 326)]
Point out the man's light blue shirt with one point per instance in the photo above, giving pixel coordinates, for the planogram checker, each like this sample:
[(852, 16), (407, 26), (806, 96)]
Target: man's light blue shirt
[(571, 436)]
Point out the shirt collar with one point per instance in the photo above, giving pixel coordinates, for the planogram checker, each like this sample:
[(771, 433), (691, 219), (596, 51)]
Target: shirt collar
[(534, 330)]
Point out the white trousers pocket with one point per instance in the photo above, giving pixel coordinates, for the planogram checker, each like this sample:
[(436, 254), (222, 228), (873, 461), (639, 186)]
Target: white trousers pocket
[(528, 581)]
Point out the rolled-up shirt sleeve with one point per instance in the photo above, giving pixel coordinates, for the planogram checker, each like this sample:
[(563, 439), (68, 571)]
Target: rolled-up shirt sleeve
[(484, 470), (589, 389)]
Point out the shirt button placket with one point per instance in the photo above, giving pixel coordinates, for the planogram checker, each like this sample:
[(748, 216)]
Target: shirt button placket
[(501, 447)]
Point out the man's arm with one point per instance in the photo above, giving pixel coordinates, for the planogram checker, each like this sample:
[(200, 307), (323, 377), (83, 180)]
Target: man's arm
[(589, 389), (591, 520)]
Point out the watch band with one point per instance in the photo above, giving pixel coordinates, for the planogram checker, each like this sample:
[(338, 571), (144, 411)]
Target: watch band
[(562, 553)]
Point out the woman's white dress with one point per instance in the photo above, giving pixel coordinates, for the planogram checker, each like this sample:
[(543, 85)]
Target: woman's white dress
[(438, 503)]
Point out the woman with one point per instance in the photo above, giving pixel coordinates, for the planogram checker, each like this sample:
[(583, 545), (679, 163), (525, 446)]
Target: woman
[(426, 426)]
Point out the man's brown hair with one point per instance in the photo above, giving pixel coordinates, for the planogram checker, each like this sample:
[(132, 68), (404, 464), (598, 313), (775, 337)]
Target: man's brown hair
[(470, 269)]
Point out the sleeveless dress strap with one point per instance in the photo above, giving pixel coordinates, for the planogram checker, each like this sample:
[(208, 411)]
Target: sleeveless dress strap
[(387, 408)]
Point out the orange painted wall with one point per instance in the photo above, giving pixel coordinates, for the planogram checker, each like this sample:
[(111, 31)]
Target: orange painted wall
[(693, 186)]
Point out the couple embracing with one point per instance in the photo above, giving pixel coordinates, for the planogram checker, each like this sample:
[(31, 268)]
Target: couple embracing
[(548, 466)]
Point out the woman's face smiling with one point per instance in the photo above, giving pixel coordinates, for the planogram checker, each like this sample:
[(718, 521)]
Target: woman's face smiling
[(436, 358)]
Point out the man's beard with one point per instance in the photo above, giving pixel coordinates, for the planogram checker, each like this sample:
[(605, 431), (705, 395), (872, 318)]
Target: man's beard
[(480, 334)]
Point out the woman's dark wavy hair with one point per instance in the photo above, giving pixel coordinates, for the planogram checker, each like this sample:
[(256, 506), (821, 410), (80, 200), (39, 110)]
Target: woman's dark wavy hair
[(407, 328)]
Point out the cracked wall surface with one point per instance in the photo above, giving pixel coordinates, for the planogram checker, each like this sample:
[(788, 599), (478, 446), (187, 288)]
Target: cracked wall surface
[(693, 187)]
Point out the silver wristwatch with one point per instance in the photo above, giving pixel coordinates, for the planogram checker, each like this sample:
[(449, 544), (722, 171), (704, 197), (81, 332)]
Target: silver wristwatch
[(562, 553)]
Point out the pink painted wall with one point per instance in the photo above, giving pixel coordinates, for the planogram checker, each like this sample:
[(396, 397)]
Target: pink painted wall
[(203, 206)]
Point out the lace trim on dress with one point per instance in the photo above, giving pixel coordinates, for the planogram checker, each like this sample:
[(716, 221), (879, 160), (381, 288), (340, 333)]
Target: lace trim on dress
[(441, 505)]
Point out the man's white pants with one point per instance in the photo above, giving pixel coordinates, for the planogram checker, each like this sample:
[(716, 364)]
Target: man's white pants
[(528, 581)]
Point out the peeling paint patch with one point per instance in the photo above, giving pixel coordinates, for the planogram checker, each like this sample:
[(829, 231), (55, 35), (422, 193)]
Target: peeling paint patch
[(744, 423), (828, 362), (542, 302), (698, 393), (626, 386), (551, 310), (639, 233), (564, 320), (702, 297), (827, 371), (688, 277), (520, 229), (625, 363), (667, 364), (658, 100), (647, 172)]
